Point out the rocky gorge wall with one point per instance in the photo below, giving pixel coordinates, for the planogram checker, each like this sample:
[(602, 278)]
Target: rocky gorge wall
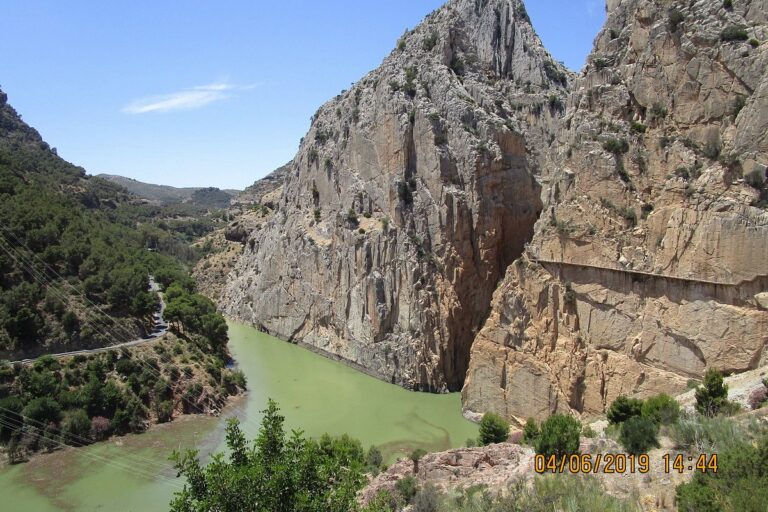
[(409, 197), (631, 199), (648, 264)]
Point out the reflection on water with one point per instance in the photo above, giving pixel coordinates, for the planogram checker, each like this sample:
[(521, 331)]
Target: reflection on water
[(315, 394)]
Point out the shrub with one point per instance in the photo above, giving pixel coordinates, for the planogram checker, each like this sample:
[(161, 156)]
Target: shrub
[(734, 33), (699, 434), (661, 409), (728, 4), (415, 457), (588, 432), (43, 410), (352, 217), (530, 432), (616, 146), (426, 500), (659, 111), (712, 396), (374, 459), (638, 435), (629, 215), (164, 411), (740, 483), (559, 436), (493, 429), (430, 41), (758, 397), (76, 428), (675, 18), (624, 408), (407, 488), (754, 43), (317, 214), (638, 127), (100, 428)]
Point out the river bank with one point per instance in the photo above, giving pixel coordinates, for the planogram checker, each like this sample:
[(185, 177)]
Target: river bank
[(317, 395)]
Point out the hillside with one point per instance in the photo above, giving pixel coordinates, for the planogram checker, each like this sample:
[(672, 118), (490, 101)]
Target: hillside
[(631, 199), (69, 245), (163, 195)]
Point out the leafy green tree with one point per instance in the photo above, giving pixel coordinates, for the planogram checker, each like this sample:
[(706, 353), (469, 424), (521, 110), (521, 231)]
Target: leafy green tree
[(277, 474), (624, 408), (713, 395), (638, 435), (661, 409), (43, 410), (76, 427), (493, 429), (560, 435)]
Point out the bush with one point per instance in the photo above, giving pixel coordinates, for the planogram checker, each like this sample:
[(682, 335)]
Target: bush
[(352, 217), (734, 33), (415, 457), (407, 488), (374, 459), (638, 435), (77, 428), (675, 18), (616, 146), (43, 410), (100, 428), (559, 435), (713, 395), (430, 41), (728, 4), (530, 432), (164, 411), (661, 409), (740, 483), (493, 429), (624, 408), (700, 434), (758, 397), (638, 127), (588, 432), (427, 499)]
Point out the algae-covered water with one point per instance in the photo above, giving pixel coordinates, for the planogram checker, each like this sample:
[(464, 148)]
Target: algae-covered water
[(315, 394)]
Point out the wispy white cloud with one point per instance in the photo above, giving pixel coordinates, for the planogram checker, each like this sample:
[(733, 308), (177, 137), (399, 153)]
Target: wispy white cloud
[(186, 99)]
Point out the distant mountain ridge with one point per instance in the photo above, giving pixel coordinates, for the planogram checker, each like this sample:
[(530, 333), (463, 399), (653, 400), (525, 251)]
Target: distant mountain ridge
[(166, 194)]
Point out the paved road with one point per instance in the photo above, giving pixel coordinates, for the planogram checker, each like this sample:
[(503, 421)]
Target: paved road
[(160, 328)]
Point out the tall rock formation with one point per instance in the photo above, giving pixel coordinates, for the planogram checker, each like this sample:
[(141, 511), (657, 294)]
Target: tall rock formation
[(648, 265), (632, 201), (408, 199)]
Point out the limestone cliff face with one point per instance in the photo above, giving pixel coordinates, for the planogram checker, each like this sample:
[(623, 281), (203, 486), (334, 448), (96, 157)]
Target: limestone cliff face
[(649, 263), (408, 199)]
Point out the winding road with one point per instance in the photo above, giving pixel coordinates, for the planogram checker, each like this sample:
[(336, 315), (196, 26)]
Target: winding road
[(160, 328)]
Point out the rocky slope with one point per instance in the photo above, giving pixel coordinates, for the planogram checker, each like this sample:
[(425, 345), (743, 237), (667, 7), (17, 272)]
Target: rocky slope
[(408, 198), (648, 265), (632, 197)]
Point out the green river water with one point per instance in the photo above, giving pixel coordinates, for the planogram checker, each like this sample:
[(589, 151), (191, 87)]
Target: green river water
[(132, 473)]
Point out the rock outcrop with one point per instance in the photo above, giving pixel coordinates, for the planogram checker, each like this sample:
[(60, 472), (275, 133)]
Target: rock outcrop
[(408, 199), (648, 264), (631, 198)]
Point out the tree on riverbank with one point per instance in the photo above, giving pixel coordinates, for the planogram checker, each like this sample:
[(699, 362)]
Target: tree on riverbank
[(278, 473)]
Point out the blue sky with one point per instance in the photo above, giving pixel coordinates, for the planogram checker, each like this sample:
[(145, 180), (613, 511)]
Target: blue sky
[(194, 93)]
